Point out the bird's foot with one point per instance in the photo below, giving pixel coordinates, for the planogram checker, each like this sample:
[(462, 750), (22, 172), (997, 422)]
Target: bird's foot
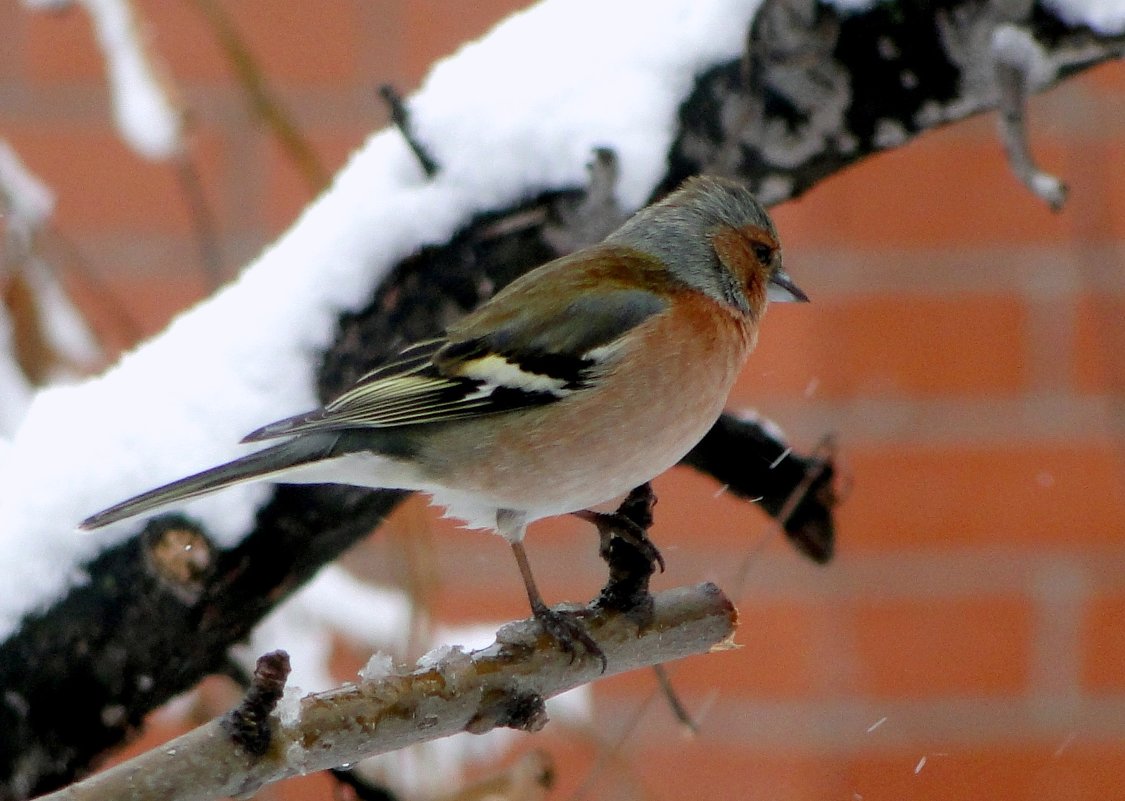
[(567, 629)]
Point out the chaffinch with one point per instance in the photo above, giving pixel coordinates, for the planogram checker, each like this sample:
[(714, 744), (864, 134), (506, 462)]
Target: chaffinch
[(579, 381)]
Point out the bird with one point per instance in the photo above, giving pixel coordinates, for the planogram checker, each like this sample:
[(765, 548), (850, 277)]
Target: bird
[(577, 382)]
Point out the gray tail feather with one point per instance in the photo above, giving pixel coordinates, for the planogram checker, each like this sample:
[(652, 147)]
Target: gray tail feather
[(254, 466)]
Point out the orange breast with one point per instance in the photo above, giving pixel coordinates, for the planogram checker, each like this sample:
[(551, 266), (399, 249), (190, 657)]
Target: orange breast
[(640, 420)]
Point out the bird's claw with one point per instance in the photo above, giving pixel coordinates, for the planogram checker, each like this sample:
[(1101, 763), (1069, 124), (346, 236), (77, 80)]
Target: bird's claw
[(566, 629)]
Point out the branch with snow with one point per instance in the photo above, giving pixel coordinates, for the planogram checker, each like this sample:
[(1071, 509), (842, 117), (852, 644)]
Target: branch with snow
[(42, 336), (1020, 67), (448, 692), (388, 256), (148, 117)]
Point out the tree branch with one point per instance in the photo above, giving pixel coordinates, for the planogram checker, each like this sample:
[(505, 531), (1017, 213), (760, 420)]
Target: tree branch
[(503, 685)]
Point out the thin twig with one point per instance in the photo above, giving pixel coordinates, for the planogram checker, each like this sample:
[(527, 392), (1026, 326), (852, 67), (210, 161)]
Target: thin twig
[(202, 219), (129, 328), (262, 99), (401, 119), (1017, 57), (613, 750), (823, 458), (673, 699)]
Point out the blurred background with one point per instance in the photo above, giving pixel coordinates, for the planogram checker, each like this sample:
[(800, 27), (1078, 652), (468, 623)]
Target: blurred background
[(965, 344)]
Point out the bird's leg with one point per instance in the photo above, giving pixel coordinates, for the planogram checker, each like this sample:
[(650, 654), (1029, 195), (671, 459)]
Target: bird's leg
[(632, 559), (630, 523), (564, 627), (630, 554)]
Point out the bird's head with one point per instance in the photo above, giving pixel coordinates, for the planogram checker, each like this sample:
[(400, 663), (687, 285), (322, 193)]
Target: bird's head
[(714, 235)]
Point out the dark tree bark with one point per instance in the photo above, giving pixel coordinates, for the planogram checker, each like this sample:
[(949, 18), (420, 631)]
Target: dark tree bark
[(817, 91)]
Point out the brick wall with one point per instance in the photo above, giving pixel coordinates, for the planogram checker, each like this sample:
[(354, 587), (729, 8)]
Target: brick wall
[(967, 345)]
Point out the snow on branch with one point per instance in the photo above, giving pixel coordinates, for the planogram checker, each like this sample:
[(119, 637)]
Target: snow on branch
[(42, 336), (147, 116)]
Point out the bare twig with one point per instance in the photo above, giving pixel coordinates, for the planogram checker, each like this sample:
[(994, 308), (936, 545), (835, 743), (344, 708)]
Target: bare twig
[(822, 460), (94, 286), (33, 351), (674, 703), (611, 752), (262, 100), (202, 218), (503, 685), (401, 119)]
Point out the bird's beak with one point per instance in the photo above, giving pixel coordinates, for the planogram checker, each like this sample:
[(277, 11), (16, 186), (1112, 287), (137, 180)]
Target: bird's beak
[(781, 289)]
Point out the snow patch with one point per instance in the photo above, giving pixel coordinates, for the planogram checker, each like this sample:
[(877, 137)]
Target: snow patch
[(378, 667), (1106, 17)]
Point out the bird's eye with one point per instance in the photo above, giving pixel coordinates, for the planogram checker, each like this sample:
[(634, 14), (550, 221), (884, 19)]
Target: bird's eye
[(762, 253)]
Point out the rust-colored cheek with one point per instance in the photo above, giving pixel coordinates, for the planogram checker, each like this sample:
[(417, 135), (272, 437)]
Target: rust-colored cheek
[(735, 250)]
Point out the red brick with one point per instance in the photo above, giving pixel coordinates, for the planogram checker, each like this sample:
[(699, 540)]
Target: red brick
[(1099, 344), (775, 658), (709, 770), (185, 43), (1108, 78), (462, 602), (302, 788), (413, 545), (1096, 201), (1103, 645), (950, 773), (60, 49), (294, 43), (943, 647), (13, 21), (302, 45), (889, 345), (122, 310), (470, 577), (436, 28), (1009, 772), (1081, 771), (286, 192), (953, 496), (1109, 210), (575, 755), (101, 186), (947, 187), (476, 577), (693, 511), (334, 45)]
